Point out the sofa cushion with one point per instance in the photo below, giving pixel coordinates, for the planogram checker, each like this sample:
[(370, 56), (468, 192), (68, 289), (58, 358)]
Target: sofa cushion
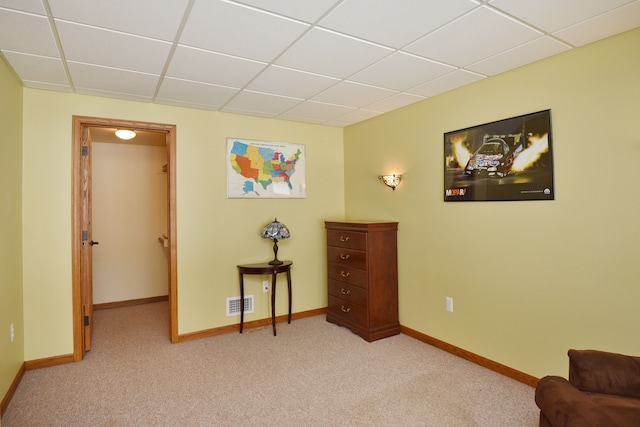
[(563, 405), (602, 372)]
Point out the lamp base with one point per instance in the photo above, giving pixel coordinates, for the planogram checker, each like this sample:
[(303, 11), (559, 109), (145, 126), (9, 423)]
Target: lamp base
[(275, 260)]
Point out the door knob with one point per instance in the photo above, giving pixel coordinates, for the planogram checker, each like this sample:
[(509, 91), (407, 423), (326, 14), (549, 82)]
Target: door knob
[(94, 243)]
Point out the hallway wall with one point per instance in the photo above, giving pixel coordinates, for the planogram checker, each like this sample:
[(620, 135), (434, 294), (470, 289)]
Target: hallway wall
[(129, 214)]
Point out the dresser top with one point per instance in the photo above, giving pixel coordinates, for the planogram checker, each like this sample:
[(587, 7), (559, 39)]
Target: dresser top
[(361, 225)]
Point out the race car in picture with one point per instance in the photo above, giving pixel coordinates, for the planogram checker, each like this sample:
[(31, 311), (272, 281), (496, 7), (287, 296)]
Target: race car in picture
[(495, 156)]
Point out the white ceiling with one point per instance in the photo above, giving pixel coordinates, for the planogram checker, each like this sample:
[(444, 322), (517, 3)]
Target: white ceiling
[(334, 62)]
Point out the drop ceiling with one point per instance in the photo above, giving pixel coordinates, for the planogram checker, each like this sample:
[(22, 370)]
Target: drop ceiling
[(332, 62)]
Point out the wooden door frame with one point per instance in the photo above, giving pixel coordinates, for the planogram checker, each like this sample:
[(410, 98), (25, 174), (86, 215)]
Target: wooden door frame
[(81, 124)]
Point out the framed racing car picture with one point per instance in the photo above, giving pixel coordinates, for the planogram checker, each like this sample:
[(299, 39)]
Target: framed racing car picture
[(509, 159)]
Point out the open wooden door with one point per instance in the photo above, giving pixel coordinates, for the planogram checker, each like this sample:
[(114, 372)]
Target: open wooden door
[(82, 243)]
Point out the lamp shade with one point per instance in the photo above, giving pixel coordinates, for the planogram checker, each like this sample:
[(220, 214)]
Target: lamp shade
[(275, 230)]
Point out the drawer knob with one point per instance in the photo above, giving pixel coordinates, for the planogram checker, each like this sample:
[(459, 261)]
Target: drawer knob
[(345, 256), (344, 238), (345, 291), (345, 274), (345, 309)]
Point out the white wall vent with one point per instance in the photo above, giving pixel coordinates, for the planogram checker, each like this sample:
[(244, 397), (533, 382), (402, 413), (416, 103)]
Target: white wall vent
[(233, 305)]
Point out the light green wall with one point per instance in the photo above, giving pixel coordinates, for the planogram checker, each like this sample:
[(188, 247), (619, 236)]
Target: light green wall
[(214, 233), (11, 354), (529, 279), (567, 273)]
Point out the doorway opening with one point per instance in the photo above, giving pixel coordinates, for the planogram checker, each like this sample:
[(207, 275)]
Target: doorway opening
[(81, 224)]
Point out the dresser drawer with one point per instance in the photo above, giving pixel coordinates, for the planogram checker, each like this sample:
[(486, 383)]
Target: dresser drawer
[(346, 310), (347, 239), (349, 293), (346, 274), (347, 257)]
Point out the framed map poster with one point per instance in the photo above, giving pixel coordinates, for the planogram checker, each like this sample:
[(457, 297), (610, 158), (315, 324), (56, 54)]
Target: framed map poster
[(262, 169), (509, 159)]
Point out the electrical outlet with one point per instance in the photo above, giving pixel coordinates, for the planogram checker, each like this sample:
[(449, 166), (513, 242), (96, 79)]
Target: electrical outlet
[(449, 304), (12, 332), (265, 286)]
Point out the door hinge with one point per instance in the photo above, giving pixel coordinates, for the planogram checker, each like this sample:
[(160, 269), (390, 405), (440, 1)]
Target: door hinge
[(86, 320), (85, 235), (85, 150)]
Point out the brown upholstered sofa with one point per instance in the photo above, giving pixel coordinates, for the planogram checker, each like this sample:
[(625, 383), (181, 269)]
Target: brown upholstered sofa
[(603, 390)]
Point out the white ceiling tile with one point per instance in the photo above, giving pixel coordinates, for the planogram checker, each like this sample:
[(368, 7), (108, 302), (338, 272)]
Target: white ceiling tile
[(354, 95), (238, 30), (353, 117), (315, 110), (116, 95), (28, 33), (608, 24), (33, 6), (93, 45), (449, 82), (209, 67), (477, 35), (159, 19), (185, 104), (377, 21), (38, 68), (527, 53), (248, 112), (288, 82), (329, 53), (308, 11), (47, 86), (263, 102), (111, 80), (551, 15), (394, 102), (401, 71), (195, 93)]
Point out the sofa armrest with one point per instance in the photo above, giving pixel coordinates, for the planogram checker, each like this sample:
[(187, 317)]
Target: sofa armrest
[(563, 405), (602, 372)]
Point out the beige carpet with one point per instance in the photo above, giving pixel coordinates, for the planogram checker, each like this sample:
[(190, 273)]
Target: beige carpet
[(312, 374)]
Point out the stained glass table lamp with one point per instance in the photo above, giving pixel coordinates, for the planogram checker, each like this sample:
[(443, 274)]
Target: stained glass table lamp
[(277, 231)]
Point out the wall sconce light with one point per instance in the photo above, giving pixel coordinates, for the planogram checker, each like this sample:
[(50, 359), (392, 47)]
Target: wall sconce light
[(391, 180)]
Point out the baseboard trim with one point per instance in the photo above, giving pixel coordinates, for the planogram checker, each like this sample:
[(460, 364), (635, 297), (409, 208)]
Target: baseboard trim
[(49, 361), (472, 357), (12, 389), (29, 365), (247, 325), (130, 302)]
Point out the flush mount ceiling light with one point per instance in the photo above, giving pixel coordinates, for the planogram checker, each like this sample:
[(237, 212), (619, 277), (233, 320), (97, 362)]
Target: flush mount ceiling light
[(125, 134)]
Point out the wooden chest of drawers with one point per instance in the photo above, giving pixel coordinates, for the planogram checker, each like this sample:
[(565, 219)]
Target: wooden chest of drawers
[(362, 269)]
